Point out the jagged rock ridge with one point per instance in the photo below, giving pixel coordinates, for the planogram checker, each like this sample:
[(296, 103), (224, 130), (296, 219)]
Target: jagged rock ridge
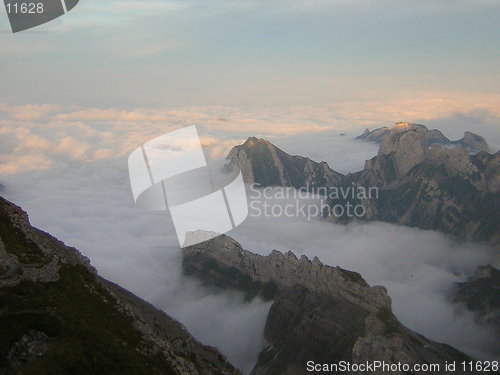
[(58, 316), (263, 163), (320, 313)]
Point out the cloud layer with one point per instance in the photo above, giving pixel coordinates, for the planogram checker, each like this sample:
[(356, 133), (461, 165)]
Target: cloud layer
[(38, 136), (89, 205)]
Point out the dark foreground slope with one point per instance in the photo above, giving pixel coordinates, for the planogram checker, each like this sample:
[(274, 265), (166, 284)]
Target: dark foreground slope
[(57, 316), (320, 313)]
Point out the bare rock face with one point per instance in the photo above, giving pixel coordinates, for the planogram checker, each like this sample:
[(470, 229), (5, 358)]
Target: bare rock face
[(239, 156), (57, 316), (440, 188), (375, 135), (263, 163), (456, 161), (481, 294), (474, 142), (407, 147), (32, 345), (320, 313), (262, 270)]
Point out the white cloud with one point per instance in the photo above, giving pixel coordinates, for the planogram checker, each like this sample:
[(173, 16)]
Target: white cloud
[(95, 133), (21, 164), (28, 112), (73, 147)]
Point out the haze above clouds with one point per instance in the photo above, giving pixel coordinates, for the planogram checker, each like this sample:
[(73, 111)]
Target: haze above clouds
[(165, 54)]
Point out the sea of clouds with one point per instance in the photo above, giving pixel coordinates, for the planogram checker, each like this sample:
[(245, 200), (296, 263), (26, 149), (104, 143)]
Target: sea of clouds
[(80, 192)]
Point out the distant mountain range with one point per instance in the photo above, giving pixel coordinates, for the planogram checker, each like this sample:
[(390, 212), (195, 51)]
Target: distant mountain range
[(473, 142), (438, 187)]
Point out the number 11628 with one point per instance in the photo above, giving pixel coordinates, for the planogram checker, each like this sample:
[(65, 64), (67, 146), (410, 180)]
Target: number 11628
[(24, 8)]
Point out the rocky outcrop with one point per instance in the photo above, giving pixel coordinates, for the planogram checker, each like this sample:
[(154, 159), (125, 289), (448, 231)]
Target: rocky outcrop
[(472, 142), (58, 316), (263, 163), (406, 148), (440, 188), (261, 271), (481, 294), (32, 345), (320, 313)]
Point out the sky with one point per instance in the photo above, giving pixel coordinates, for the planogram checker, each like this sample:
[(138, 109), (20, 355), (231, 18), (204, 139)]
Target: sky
[(255, 53)]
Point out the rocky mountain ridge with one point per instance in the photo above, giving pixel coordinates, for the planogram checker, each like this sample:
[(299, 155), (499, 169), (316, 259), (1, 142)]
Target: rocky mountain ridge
[(320, 313), (263, 163), (58, 316), (437, 187)]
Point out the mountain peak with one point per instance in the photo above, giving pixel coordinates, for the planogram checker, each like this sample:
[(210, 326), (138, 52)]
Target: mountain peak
[(252, 141), (398, 126), (262, 162)]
